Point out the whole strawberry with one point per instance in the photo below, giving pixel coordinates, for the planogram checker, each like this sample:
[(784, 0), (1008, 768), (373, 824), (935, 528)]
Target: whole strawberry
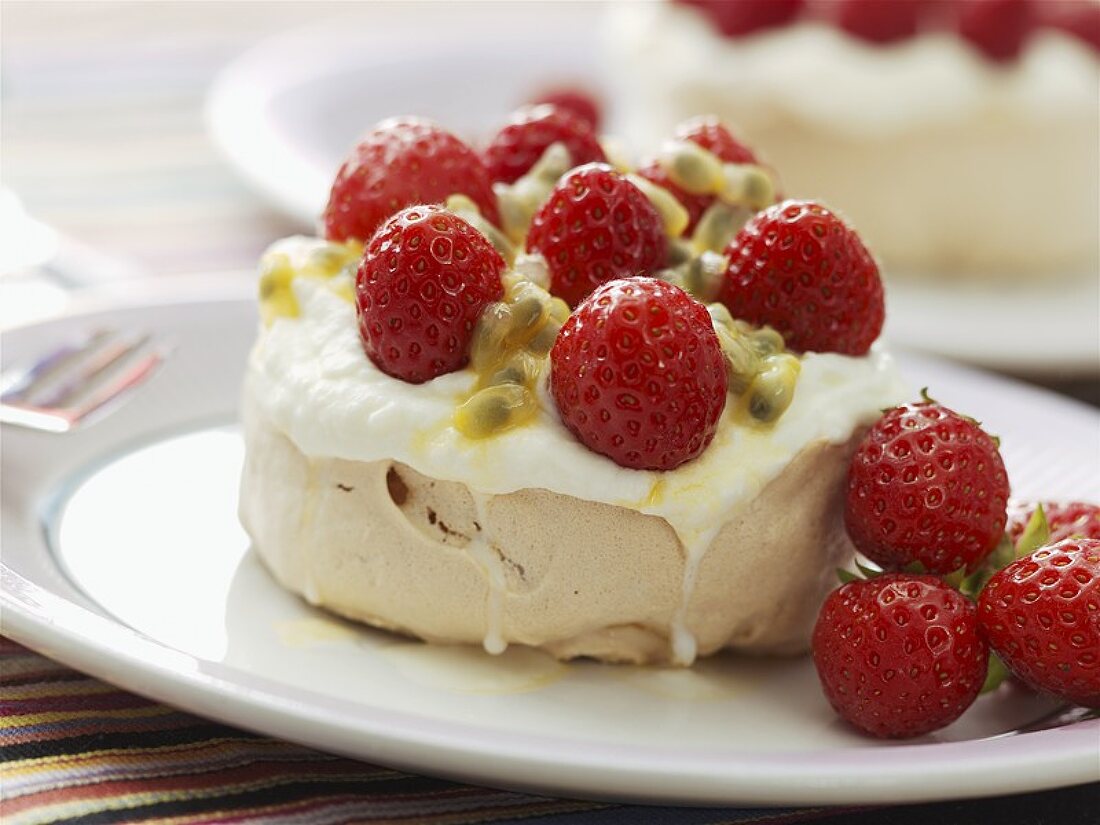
[(402, 162), (799, 269), (1074, 519), (926, 485), (736, 18), (637, 374), (712, 135), (877, 21), (997, 28), (596, 226), (1042, 615), (574, 99), (529, 133), (899, 655), (424, 280)]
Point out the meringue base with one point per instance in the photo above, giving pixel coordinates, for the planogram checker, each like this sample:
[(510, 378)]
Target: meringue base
[(380, 543)]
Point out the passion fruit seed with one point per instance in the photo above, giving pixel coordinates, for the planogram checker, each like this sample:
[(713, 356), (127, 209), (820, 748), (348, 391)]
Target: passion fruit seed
[(617, 153), (520, 368), (691, 167), (489, 336), (468, 211), (518, 202), (717, 226), (748, 185), (766, 341), (674, 217), (678, 252), (530, 267), (773, 390), (544, 339), (530, 308), (703, 275), (494, 409), (304, 258)]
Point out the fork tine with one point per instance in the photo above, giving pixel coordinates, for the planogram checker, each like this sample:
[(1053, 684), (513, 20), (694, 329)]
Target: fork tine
[(134, 375), (16, 385), (90, 370)]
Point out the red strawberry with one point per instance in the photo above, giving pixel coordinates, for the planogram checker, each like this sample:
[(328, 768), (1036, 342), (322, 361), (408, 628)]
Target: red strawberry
[(402, 162), (899, 655), (712, 135), (1042, 616), (1080, 20), (1074, 519), (425, 278), (879, 21), (637, 374), (735, 18), (529, 133), (926, 485), (800, 269), (596, 226), (578, 101), (997, 28)]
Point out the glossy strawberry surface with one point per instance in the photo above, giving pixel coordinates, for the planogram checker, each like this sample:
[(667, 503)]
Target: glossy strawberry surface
[(1042, 615), (798, 268), (579, 101), (899, 655), (926, 485), (595, 227), (530, 132), (715, 137), (1065, 520), (638, 375), (401, 162), (425, 278)]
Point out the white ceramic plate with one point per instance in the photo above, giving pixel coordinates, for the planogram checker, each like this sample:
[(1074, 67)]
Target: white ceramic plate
[(123, 558), (287, 124)]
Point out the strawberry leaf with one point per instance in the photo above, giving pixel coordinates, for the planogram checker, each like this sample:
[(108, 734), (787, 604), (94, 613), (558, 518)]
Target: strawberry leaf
[(956, 578), (1035, 535), (868, 571), (847, 576), (995, 674)]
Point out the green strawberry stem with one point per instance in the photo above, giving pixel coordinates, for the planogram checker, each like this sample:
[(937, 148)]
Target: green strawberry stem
[(995, 674), (1035, 535)]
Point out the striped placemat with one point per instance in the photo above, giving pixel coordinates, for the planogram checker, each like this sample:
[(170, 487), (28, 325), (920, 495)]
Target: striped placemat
[(78, 750)]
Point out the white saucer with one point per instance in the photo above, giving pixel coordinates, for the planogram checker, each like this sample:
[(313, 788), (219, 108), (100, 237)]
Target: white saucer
[(123, 558)]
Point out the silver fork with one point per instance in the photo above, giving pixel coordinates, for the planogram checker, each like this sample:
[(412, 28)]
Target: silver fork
[(76, 382)]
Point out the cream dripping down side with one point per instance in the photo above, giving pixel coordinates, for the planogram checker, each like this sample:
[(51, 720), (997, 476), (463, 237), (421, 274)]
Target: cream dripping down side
[(310, 378)]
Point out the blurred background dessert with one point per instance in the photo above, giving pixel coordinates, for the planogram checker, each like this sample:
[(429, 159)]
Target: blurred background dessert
[(962, 138)]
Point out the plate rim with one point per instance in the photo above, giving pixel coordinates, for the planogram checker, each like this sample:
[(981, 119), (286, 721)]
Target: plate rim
[(96, 643), (1057, 757)]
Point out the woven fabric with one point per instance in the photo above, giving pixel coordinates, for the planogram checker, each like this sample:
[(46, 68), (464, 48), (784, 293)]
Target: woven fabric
[(78, 750)]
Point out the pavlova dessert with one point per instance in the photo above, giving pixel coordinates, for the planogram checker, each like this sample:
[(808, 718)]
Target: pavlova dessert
[(960, 136), (531, 395)]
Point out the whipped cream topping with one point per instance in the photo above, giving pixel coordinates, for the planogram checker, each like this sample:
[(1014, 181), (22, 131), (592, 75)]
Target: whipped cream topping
[(844, 84), (310, 376)]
